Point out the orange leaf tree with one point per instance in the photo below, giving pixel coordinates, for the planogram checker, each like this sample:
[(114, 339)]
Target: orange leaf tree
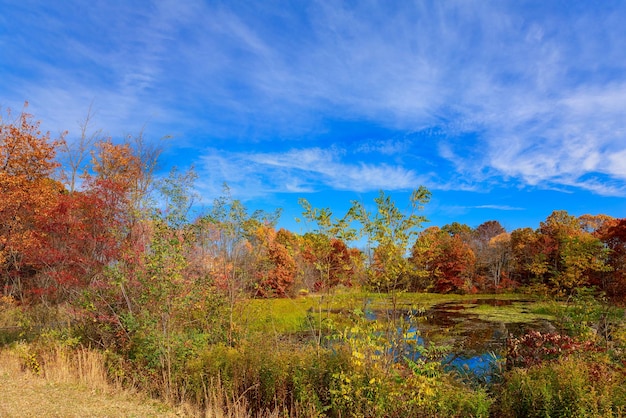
[(445, 259), (26, 189), (574, 254), (275, 267), (613, 234)]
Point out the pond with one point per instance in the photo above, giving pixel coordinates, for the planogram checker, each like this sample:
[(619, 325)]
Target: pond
[(477, 330)]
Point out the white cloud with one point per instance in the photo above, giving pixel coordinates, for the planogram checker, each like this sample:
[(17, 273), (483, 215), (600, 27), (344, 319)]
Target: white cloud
[(616, 163), (299, 171), (497, 207), (540, 96), (564, 139), (389, 147)]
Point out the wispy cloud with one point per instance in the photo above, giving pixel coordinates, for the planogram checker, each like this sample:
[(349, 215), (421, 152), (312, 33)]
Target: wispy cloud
[(391, 147), (564, 140), (496, 207), (536, 98), (300, 171)]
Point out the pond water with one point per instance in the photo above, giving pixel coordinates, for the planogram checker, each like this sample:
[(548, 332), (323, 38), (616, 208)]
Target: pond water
[(477, 330)]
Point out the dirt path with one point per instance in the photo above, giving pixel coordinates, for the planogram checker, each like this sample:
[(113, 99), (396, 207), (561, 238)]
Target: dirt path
[(23, 394)]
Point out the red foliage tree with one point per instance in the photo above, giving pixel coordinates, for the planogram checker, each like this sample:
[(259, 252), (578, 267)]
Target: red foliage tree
[(78, 236), (446, 259), (334, 262), (276, 268), (26, 190), (613, 234)]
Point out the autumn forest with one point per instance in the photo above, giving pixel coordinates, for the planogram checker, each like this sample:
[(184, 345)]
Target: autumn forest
[(100, 252)]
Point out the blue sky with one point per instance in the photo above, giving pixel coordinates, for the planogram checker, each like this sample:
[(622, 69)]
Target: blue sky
[(504, 110)]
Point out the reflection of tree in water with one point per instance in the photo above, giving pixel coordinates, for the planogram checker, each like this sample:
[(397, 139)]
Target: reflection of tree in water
[(454, 324), (478, 338), (475, 343)]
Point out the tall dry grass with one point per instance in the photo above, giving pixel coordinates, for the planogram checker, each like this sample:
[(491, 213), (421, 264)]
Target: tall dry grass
[(73, 382), (66, 385), (79, 365)]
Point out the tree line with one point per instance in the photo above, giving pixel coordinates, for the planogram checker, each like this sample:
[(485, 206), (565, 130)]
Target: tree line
[(90, 216)]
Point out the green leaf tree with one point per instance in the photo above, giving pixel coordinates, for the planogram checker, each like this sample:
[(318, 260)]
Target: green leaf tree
[(392, 232), (325, 246)]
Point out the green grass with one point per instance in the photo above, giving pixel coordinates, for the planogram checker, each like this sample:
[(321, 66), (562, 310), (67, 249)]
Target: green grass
[(282, 316), (301, 314), (306, 313), (550, 309), (516, 312)]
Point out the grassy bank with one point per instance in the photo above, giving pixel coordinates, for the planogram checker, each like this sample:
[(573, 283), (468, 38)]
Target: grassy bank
[(320, 356)]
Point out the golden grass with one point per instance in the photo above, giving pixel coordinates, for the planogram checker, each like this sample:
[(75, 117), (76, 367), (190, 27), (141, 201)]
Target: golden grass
[(73, 383), (68, 388)]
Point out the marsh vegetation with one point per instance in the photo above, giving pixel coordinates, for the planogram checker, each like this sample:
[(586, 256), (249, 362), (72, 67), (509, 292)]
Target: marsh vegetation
[(220, 313)]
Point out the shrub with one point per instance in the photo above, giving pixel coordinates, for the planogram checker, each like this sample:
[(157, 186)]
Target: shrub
[(569, 387), (266, 376), (535, 348), (380, 379)]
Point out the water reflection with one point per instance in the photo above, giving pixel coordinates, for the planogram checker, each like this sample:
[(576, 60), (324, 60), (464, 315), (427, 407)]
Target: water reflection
[(476, 343)]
